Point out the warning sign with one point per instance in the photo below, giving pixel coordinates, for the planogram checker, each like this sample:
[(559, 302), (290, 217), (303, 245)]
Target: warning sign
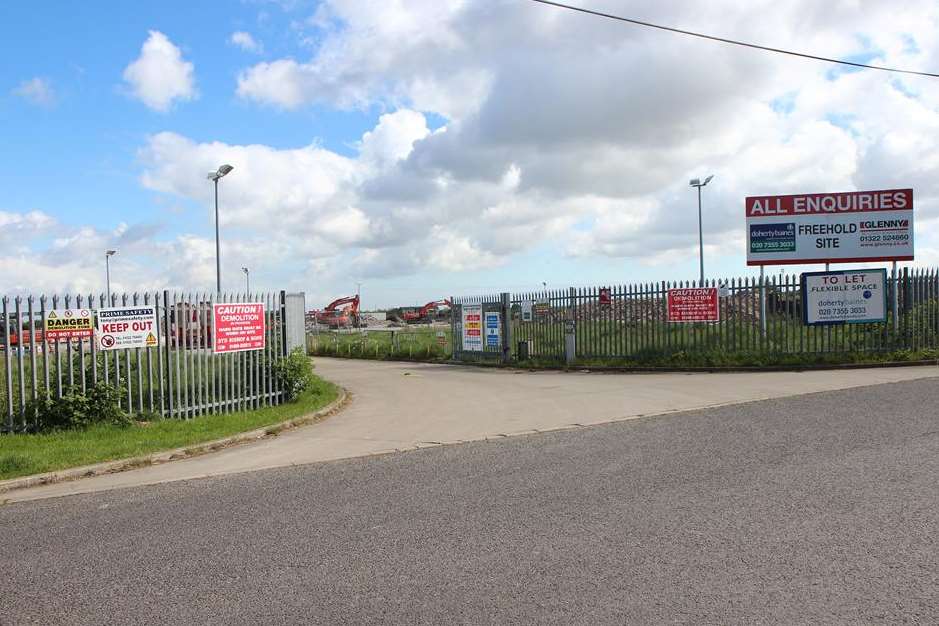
[(238, 327), (693, 305), (473, 327), (127, 327), (69, 324)]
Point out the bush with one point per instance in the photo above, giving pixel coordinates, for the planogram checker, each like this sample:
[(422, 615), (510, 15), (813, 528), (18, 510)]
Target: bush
[(74, 409), (295, 373)]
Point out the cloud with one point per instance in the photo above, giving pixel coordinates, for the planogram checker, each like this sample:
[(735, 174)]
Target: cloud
[(246, 42), (160, 76), (37, 90)]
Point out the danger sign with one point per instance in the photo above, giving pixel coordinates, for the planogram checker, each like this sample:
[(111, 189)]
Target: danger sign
[(69, 324), (238, 327), (693, 305), (127, 327)]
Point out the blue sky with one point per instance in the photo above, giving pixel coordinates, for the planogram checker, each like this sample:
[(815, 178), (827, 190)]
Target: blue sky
[(429, 149)]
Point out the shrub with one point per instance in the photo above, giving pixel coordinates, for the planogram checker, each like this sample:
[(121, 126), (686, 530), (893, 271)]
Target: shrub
[(295, 373), (74, 409)]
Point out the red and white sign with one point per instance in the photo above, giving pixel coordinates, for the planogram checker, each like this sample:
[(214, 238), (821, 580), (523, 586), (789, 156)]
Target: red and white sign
[(605, 295), (844, 227), (238, 327), (694, 305)]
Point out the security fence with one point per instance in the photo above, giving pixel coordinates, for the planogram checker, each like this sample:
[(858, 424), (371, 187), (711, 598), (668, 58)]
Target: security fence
[(180, 376), (630, 322)]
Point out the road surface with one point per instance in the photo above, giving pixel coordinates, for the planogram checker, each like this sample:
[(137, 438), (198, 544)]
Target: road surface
[(820, 508), (402, 406)]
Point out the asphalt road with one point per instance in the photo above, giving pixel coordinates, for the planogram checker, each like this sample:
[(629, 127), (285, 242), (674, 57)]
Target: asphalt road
[(820, 508)]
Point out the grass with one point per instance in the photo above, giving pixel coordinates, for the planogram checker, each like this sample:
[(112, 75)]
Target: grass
[(22, 454), (411, 343)]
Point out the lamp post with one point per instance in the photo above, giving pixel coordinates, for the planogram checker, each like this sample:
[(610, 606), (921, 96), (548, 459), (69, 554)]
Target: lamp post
[(214, 176), (695, 182), (247, 280), (107, 269)]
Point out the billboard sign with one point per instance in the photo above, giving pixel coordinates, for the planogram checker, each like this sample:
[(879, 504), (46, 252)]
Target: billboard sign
[(844, 227), (69, 324), (473, 327), (693, 305), (493, 329), (238, 327), (844, 297), (127, 327)]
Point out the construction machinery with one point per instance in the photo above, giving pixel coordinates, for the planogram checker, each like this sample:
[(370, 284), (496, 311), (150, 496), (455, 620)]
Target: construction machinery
[(427, 313), (335, 317)]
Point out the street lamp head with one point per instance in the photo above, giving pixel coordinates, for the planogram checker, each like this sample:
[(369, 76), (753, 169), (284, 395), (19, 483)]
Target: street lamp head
[(695, 182), (708, 179), (245, 270), (222, 171), (110, 252)]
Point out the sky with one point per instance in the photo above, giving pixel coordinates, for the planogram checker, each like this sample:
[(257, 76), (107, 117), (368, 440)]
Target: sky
[(429, 148)]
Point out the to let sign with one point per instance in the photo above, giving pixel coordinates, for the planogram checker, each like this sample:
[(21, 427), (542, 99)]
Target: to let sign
[(238, 327), (844, 297), (694, 305)]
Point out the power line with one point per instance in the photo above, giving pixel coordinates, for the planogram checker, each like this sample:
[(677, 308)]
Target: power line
[(732, 41)]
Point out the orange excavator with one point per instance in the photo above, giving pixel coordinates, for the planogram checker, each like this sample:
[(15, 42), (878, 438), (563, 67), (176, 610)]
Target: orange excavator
[(336, 317), (427, 313)]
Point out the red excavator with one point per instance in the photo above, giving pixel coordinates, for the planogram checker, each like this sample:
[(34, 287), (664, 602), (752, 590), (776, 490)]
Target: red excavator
[(334, 317), (425, 314)]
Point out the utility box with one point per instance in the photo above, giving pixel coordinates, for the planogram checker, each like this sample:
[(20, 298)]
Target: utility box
[(525, 350)]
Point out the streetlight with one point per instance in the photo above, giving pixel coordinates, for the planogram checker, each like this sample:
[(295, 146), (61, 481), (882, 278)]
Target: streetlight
[(107, 268), (247, 280), (214, 176), (695, 182)]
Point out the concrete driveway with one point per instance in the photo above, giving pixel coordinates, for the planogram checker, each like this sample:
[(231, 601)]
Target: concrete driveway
[(401, 406)]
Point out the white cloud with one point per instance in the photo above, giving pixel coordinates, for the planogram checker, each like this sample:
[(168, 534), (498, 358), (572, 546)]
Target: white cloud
[(37, 90), (160, 76), (246, 42)]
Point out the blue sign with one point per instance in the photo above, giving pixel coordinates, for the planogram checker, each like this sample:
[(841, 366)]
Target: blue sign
[(493, 330)]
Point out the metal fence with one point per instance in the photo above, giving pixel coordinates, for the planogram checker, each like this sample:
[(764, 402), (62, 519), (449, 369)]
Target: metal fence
[(755, 316), (181, 378)]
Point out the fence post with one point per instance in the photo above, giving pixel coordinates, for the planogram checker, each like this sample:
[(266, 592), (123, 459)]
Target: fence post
[(762, 302), (167, 327), (452, 331), (896, 302), (570, 330), (506, 327)]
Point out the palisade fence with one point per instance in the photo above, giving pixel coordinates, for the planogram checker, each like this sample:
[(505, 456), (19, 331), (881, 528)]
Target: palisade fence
[(755, 317), (179, 378)]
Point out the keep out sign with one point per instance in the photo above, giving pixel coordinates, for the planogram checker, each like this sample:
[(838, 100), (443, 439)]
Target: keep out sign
[(238, 327), (127, 327)]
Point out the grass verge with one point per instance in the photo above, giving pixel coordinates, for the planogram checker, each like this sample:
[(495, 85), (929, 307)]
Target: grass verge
[(22, 455)]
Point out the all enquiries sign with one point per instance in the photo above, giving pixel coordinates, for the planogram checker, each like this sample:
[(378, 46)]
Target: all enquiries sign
[(830, 227), (844, 297)]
